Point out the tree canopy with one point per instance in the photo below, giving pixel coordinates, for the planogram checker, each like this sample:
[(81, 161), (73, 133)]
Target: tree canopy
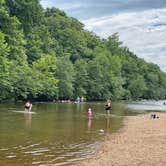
[(46, 55)]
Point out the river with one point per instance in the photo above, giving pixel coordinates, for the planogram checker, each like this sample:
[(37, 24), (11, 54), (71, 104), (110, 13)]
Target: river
[(59, 133)]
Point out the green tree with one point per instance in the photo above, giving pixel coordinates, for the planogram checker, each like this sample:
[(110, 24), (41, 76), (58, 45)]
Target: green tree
[(137, 87), (81, 78), (5, 84), (65, 75), (95, 88), (14, 37), (44, 69), (22, 81), (29, 12), (39, 42)]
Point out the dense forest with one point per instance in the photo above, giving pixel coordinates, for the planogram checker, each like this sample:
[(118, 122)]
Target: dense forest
[(46, 55)]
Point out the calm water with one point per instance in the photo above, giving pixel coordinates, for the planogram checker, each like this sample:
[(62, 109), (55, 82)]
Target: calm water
[(58, 134)]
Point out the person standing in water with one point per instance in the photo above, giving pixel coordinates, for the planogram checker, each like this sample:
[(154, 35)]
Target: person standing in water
[(89, 112), (28, 106), (108, 106)]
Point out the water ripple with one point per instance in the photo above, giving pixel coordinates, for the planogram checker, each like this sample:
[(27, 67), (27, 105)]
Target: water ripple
[(37, 151)]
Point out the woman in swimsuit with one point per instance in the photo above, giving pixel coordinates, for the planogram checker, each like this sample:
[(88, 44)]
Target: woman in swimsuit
[(108, 106), (28, 106)]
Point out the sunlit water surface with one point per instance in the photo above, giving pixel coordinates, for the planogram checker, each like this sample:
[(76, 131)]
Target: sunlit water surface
[(148, 105), (58, 133)]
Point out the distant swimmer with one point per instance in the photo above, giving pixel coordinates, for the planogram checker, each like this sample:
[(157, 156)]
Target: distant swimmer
[(89, 112), (108, 106), (28, 106)]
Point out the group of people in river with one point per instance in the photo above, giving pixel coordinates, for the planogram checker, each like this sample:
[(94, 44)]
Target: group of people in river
[(80, 99), (77, 100), (28, 106)]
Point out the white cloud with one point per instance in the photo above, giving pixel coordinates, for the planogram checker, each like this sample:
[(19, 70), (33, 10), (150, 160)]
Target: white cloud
[(143, 32), (69, 6), (63, 6)]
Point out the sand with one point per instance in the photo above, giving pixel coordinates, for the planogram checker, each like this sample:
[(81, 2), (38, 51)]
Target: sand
[(141, 142)]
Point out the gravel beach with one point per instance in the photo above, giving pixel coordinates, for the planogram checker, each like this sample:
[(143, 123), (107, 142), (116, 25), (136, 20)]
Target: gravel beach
[(140, 142)]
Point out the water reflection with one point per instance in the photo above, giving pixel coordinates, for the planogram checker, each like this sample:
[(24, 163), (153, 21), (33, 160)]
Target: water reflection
[(78, 106), (89, 123), (107, 129), (28, 119)]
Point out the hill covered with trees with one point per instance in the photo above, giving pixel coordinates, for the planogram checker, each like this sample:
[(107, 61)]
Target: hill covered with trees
[(46, 55)]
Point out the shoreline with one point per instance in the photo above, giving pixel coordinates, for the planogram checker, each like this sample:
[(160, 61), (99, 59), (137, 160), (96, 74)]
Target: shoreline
[(141, 141)]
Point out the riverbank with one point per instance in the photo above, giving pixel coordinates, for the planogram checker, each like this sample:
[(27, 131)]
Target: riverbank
[(141, 142)]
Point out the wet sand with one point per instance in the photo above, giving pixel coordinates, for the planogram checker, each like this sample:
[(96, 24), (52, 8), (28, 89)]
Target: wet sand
[(141, 142)]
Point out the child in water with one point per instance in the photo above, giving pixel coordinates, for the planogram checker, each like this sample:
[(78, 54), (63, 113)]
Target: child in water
[(28, 106), (89, 112)]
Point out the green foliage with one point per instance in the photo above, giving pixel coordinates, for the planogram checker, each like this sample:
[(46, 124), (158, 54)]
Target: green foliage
[(4, 48), (22, 83), (111, 71), (65, 75), (46, 55), (38, 43), (81, 78), (29, 12), (113, 44), (14, 36), (45, 69), (69, 34), (5, 84), (96, 82), (137, 87)]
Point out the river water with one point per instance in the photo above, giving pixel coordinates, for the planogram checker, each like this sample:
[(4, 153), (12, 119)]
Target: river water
[(59, 133)]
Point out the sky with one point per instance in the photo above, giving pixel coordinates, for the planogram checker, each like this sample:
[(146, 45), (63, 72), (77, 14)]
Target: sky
[(141, 24)]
